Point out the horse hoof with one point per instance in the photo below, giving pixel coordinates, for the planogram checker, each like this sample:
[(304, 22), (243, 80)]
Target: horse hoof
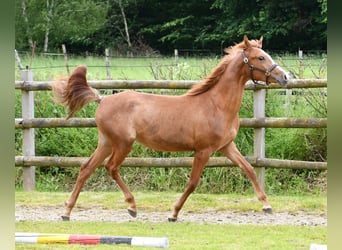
[(267, 210), (132, 213), (172, 219), (65, 218)]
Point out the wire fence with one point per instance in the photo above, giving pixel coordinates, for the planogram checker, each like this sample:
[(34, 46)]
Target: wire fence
[(304, 64)]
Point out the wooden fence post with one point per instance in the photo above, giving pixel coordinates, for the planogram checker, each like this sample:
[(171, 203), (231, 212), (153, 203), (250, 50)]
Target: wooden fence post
[(300, 66), (176, 57), (66, 58), (259, 133), (109, 77), (28, 134)]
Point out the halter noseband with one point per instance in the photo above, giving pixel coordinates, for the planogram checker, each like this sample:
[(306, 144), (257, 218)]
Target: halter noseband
[(252, 68)]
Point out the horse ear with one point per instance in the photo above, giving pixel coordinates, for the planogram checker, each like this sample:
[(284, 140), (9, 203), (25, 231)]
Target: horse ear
[(246, 41), (260, 41)]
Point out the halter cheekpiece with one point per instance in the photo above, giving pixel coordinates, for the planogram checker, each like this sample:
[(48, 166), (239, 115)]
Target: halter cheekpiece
[(252, 68)]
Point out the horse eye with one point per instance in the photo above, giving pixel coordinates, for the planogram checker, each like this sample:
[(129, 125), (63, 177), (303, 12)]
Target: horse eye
[(261, 58)]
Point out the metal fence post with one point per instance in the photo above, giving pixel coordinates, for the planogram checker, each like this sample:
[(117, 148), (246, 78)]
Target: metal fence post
[(259, 133), (28, 146)]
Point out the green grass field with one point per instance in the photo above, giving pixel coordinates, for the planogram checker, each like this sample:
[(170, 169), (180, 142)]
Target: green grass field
[(185, 235), (46, 68)]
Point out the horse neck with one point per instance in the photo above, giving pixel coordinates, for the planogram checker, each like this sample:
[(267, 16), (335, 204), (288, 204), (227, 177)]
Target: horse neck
[(228, 92)]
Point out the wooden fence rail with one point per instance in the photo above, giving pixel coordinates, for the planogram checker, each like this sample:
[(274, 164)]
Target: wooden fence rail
[(43, 161), (28, 123), (263, 122), (166, 84)]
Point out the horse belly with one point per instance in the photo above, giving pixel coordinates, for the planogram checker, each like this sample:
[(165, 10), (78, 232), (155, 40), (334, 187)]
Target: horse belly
[(163, 139)]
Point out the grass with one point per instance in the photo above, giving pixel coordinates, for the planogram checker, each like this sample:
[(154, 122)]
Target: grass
[(185, 235), (181, 235), (46, 68)]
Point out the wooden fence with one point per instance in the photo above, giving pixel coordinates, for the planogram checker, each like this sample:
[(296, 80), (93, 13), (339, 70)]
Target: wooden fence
[(28, 123)]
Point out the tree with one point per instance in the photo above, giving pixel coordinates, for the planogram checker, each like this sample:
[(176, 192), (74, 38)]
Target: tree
[(61, 21), (48, 17), (25, 23), (186, 24), (324, 10), (128, 25), (118, 21), (285, 24)]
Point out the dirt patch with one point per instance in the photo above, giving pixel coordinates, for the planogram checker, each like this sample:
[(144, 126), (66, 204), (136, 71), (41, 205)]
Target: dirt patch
[(52, 213)]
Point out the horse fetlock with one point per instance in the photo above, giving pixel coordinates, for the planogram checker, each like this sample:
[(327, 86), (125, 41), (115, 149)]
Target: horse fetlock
[(130, 200), (69, 205)]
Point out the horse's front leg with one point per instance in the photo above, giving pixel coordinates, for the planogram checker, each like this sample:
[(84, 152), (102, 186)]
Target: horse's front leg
[(235, 156), (200, 160)]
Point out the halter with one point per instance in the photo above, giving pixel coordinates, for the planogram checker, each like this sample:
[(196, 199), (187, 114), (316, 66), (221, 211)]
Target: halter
[(252, 68)]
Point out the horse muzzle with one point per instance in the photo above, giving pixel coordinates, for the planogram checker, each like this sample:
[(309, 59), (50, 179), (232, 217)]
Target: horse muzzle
[(281, 77)]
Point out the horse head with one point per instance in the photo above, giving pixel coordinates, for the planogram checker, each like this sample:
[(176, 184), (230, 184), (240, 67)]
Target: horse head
[(261, 65)]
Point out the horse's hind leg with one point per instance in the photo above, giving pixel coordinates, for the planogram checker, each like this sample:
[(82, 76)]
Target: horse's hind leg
[(113, 168), (99, 155), (235, 156)]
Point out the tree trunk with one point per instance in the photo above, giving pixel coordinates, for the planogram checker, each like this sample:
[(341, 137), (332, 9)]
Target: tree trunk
[(46, 40), (128, 39), (28, 32), (49, 7)]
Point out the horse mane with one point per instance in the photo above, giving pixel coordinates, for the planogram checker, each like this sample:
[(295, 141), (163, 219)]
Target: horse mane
[(218, 71)]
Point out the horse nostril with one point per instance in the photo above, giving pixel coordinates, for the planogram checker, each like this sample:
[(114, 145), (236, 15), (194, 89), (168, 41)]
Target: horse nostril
[(285, 77)]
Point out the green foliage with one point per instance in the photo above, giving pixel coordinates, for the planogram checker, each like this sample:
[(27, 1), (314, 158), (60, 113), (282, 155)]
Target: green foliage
[(296, 144), (144, 26), (55, 22), (306, 144)]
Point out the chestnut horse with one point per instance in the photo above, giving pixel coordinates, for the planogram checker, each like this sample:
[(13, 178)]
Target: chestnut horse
[(203, 120)]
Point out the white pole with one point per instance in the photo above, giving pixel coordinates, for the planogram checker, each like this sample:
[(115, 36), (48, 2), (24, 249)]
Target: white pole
[(176, 56), (259, 133), (108, 64), (27, 99)]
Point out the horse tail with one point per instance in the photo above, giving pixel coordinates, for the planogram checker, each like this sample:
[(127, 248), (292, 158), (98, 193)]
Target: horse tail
[(74, 92)]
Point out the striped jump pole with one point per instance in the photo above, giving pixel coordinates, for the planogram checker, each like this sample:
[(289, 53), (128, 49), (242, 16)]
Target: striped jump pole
[(84, 239)]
